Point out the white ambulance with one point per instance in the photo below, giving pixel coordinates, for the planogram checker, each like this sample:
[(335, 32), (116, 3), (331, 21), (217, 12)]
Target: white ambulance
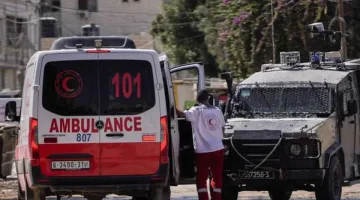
[(97, 118)]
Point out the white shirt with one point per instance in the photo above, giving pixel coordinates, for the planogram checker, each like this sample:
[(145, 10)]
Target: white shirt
[(207, 124)]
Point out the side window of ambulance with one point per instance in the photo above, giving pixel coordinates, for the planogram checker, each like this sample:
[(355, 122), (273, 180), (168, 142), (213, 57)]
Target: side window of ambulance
[(70, 88), (126, 87), (185, 87)]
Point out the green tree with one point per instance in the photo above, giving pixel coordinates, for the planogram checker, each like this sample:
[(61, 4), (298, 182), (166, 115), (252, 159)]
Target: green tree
[(243, 29), (237, 34), (177, 29)]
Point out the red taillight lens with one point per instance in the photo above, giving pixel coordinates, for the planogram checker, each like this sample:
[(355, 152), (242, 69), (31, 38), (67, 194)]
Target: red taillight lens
[(33, 141), (164, 146), (98, 51)]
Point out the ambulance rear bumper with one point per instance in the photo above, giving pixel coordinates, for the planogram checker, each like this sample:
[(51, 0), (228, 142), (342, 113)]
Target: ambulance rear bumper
[(100, 183)]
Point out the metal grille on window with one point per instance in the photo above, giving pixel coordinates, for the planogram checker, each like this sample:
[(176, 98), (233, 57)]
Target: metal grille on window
[(274, 100)]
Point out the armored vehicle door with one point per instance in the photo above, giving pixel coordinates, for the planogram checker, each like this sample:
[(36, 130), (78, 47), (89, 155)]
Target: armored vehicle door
[(347, 124)]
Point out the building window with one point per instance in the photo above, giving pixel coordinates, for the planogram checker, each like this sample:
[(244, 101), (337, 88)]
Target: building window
[(55, 5), (14, 28), (89, 5)]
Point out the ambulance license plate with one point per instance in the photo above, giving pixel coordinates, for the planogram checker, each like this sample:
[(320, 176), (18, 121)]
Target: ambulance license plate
[(256, 175), (70, 165)]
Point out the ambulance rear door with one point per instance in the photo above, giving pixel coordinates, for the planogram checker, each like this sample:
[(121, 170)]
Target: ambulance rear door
[(187, 154), (68, 109), (130, 113), (172, 118)]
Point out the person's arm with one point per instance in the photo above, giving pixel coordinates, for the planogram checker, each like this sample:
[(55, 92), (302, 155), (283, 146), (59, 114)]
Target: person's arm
[(189, 115), (180, 113)]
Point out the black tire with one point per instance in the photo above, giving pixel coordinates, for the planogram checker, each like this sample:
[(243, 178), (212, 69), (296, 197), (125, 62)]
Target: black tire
[(156, 193), (94, 197), (229, 193), (331, 187), (166, 192), (280, 194)]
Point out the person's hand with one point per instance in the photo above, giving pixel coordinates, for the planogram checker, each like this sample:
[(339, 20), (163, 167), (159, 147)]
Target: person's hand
[(179, 113)]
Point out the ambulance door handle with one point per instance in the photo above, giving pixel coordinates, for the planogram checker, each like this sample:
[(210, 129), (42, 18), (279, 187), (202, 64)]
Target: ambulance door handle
[(115, 135)]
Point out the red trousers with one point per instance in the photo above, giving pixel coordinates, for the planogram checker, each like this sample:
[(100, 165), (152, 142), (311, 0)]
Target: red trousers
[(212, 161)]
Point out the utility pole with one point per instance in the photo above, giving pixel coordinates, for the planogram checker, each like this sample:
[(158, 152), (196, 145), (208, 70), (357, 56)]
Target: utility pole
[(342, 28), (40, 30), (273, 33)]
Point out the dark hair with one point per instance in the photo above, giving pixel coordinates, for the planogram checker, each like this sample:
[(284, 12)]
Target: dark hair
[(202, 96)]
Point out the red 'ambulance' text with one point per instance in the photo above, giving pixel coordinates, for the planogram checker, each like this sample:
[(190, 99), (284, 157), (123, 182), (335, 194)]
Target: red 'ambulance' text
[(74, 125)]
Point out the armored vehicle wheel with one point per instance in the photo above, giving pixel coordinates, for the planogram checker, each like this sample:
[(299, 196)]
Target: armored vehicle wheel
[(229, 193), (280, 194), (332, 185)]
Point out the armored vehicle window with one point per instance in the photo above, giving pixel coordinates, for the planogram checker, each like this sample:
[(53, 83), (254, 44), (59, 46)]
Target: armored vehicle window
[(303, 99), (346, 97), (279, 100)]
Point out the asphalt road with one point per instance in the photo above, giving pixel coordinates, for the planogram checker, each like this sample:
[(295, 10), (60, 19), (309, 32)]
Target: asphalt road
[(184, 192)]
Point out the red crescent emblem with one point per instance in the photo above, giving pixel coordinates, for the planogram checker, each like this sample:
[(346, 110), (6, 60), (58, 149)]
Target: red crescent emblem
[(65, 84), (68, 84), (210, 122)]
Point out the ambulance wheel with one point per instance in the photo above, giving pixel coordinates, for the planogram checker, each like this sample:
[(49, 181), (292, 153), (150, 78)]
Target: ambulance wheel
[(280, 194), (230, 193), (331, 187), (166, 192)]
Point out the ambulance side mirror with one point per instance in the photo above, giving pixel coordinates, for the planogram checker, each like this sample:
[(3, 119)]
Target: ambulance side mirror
[(10, 112)]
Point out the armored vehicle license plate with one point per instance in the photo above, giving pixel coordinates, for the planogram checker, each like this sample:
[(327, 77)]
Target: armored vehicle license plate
[(256, 175)]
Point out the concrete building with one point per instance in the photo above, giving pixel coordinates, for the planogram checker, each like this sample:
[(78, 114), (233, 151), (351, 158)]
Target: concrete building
[(114, 17), (18, 39)]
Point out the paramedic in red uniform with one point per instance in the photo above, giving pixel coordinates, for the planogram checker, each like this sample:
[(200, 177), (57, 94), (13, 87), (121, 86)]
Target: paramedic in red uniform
[(208, 127)]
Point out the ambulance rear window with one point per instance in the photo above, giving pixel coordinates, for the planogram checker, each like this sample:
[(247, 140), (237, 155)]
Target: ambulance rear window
[(126, 87), (93, 87), (70, 88)]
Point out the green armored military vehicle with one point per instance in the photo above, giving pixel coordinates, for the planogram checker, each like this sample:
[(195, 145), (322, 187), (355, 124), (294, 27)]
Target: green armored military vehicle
[(295, 126)]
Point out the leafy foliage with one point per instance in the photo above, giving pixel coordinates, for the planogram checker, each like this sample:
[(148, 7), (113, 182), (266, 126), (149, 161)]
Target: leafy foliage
[(182, 39), (237, 33)]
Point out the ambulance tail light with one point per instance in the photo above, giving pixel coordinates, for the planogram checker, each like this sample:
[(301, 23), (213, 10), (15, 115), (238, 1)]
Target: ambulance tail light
[(33, 142), (98, 51), (164, 137)]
